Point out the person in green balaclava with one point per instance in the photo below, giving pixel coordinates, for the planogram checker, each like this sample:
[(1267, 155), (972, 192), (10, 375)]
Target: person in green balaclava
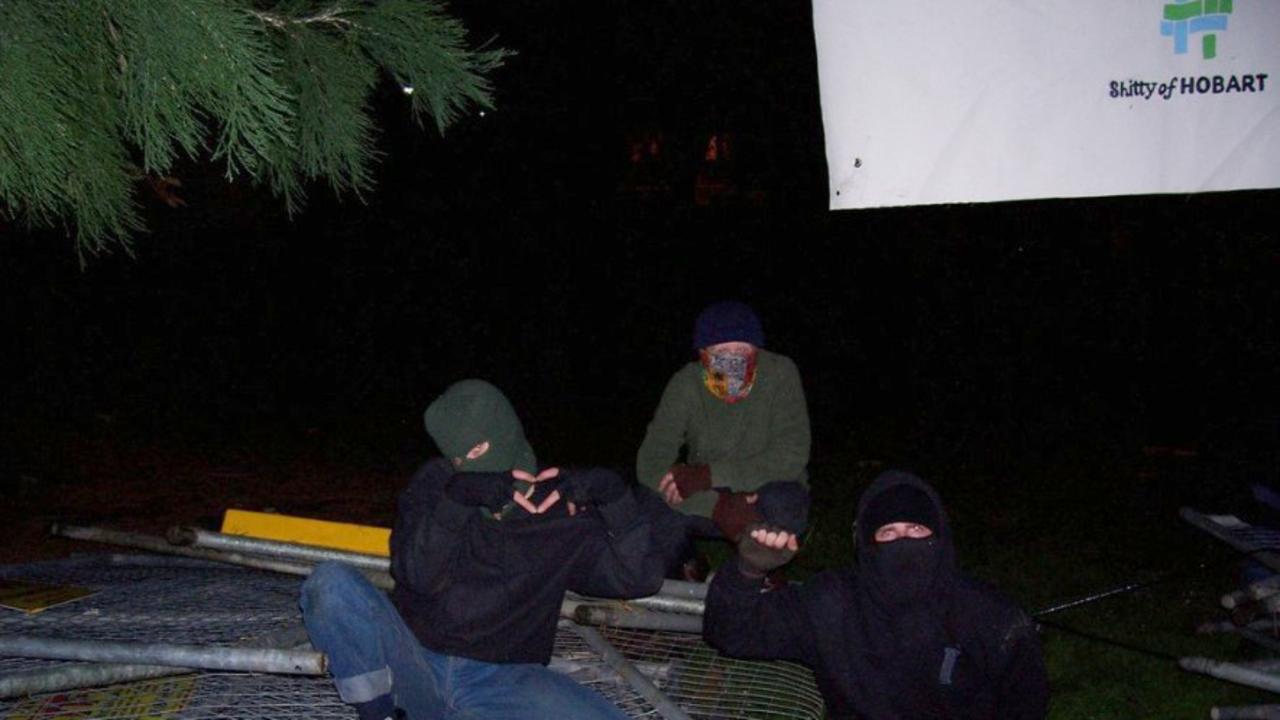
[(482, 552)]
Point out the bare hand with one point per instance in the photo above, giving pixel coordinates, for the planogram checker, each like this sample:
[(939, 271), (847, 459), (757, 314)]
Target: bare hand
[(544, 475), (775, 539), (670, 492), (765, 548), (523, 500)]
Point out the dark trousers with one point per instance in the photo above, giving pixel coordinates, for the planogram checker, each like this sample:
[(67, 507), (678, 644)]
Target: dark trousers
[(782, 503)]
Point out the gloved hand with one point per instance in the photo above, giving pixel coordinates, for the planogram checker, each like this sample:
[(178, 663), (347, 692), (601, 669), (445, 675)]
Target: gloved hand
[(764, 548), (490, 490), (734, 512), (591, 486), (691, 479)]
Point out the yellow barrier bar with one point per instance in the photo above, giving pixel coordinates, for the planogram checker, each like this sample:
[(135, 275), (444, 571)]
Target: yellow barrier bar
[(308, 531)]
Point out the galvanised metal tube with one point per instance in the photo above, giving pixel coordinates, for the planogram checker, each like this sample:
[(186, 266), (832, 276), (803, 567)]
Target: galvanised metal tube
[(675, 595), (1261, 639), (1231, 672), (638, 682), (1247, 712), (639, 619), (684, 588), (74, 676), (160, 545), (659, 603), (1226, 626), (670, 604), (197, 537), (204, 657), (78, 675)]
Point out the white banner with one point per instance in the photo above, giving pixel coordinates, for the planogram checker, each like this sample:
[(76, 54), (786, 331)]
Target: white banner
[(938, 102)]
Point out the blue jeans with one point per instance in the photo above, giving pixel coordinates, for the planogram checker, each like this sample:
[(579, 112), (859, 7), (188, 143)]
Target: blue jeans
[(372, 653)]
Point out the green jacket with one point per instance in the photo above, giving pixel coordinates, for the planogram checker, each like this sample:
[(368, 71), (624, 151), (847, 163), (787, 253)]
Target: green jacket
[(747, 444)]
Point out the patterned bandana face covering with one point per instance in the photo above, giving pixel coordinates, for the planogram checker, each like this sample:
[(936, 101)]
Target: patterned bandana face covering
[(729, 376)]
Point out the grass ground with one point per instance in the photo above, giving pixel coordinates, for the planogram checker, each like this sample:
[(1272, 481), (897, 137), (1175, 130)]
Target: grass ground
[(1041, 531)]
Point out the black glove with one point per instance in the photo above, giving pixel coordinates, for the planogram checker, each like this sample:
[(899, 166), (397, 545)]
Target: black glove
[(590, 486), (756, 560), (491, 490)]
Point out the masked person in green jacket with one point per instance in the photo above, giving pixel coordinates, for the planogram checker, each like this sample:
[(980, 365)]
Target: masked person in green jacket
[(729, 442)]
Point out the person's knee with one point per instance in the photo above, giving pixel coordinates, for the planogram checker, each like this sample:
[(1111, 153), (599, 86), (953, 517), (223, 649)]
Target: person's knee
[(330, 583), (785, 504)]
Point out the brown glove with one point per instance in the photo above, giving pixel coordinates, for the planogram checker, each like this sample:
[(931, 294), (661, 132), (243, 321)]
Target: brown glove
[(733, 513), (691, 479)]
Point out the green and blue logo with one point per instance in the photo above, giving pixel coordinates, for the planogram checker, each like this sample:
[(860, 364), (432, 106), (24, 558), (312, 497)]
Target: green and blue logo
[(1203, 17)]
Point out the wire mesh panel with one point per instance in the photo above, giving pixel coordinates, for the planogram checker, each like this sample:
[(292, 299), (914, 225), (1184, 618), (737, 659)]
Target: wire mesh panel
[(137, 599), (140, 598), (237, 696), (1261, 543), (706, 684)]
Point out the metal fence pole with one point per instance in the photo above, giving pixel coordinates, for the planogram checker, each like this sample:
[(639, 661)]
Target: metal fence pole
[(197, 537), (638, 682), (1231, 672), (74, 676), (637, 619), (1261, 639), (204, 657), (670, 604), (659, 603), (684, 588), (160, 545), (1247, 712)]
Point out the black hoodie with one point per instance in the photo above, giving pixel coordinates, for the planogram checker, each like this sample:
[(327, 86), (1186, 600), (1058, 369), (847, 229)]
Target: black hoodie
[(955, 649), (490, 590)]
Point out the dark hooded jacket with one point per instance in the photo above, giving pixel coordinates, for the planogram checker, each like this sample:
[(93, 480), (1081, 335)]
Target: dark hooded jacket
[(487, 589), (940, 645)]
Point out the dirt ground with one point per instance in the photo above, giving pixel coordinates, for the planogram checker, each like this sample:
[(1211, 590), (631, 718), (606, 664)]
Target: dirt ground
[(148, 487)]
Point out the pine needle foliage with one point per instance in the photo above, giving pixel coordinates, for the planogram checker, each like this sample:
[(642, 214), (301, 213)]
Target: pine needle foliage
[(95, 94)]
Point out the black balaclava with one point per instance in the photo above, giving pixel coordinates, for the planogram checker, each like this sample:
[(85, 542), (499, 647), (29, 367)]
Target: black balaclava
[(904, 587), (906, 569)]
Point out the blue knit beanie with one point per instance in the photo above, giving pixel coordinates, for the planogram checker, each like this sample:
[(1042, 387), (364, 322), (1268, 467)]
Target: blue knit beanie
[(727, 321)]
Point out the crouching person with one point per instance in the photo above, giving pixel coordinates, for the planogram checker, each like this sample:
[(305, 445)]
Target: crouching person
[(482, 550), (904, 635), (728, 443)]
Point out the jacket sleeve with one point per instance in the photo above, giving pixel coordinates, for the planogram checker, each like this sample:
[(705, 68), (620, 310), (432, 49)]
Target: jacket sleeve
[(424, 537), (666, 433), (786, 452), (1022, 684), (618, 559), (741, 621)]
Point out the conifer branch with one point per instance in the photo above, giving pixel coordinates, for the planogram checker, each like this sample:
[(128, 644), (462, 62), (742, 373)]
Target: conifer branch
[(99, 98), (332, 15)]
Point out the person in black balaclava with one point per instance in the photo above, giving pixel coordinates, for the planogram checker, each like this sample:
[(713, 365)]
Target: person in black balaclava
[(904, 636)]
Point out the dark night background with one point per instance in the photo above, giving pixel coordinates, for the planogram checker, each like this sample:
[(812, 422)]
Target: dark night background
[(526, 247)]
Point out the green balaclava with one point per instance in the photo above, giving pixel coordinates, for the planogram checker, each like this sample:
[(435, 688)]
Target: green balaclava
[(470, 412)]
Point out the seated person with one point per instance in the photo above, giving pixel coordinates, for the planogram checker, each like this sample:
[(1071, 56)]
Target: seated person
[(905, 635), (738, 413), (482, 551)]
